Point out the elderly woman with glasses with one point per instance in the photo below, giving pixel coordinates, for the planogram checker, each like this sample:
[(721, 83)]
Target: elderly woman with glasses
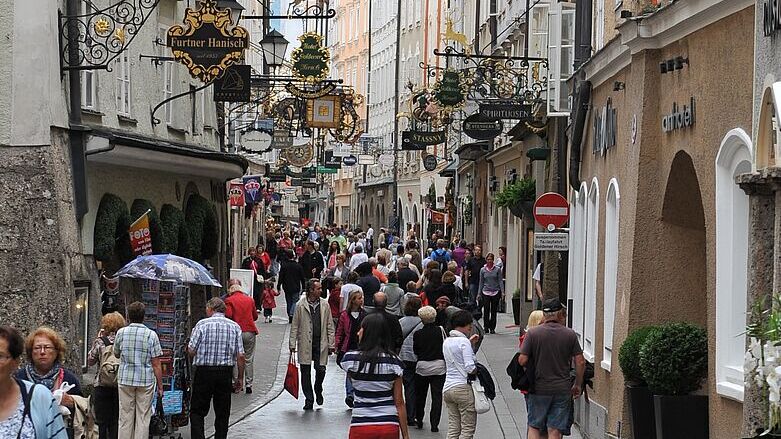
[(45, 352), (27, 411)]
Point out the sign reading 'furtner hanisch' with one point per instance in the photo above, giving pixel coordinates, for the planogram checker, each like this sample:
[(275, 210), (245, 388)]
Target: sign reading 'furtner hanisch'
[(208, 43)]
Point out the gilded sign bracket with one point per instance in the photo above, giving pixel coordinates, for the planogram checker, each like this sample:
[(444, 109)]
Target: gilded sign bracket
[(91, 41)]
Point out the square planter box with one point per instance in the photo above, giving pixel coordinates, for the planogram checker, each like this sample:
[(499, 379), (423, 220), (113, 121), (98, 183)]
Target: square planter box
[(681, 416), (641, 402)]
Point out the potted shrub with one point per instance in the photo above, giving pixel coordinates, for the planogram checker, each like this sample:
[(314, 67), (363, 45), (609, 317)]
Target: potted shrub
[(641, 400), (518, 197), (516, 302), (674, 363)]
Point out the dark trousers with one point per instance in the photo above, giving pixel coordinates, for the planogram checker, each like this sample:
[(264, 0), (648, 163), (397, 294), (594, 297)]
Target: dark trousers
[(306, 375), (105, 402), (490, 307), (211, 383), (291, 298), (409, 388), (422, 383)]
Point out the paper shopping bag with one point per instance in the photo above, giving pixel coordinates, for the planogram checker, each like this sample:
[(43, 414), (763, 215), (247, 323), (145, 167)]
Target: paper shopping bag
[(291, 378)]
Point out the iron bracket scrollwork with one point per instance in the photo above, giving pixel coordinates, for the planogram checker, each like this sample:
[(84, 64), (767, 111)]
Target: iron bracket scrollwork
[(157, 61), (156, 121), (499, 77), (91, 41), (313, 12)]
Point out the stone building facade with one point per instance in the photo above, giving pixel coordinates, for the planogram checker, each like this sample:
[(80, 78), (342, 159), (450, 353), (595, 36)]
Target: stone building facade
[(654, 134), (47, 224)]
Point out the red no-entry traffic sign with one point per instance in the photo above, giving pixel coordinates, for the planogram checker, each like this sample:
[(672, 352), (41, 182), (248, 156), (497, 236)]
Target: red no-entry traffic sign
[(551, 211)]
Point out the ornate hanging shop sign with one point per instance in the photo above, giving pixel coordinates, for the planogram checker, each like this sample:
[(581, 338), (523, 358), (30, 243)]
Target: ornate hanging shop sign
[(208, 43), (311, 59), (500, 109), (305, 93), (419, 140), (450, 90), (324, 112), (299, 156), (234, 84), (479, 127)]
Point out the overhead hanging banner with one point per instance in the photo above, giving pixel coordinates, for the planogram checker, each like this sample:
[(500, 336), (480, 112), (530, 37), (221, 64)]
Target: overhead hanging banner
[(311, 59), (236, 195), (208, 43), (252, 192), (140, 236), (233, 85)]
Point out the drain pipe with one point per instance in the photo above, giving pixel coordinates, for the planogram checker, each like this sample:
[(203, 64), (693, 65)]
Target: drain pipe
[(583, 102), (76, 128)]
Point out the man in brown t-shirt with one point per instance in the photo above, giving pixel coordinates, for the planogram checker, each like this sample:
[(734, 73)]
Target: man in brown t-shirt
[(552, 347)]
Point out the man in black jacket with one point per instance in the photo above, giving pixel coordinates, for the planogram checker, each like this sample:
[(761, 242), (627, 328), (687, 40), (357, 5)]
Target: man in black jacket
[(380, 302), (312, 262), (404, 273), (292, 280), (368, 283)]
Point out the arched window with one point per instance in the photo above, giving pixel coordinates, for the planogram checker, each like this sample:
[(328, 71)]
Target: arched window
[(592, 250), (577, 261), (732, 216), (612, 215), (769, 132)]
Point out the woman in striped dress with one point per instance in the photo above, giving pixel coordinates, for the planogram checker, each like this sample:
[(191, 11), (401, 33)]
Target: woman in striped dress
[(376, 375)]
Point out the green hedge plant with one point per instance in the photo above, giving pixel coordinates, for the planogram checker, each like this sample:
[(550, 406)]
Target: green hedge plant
[(674, 359), (629, 355), (201, 223), (111, 239), (176, 239), (520, 191)]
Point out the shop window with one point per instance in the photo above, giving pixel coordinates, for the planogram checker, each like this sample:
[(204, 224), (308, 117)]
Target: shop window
[(81, 290), (578, 263), (561, 57), (769, 134), (732, 232), (592, 250), (612, 215)]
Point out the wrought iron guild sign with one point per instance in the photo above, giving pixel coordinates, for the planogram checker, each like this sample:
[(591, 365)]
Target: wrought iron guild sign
[(450, 90), (98, 37), (480, 127), (418, 140), (311, 59), (208, 43)]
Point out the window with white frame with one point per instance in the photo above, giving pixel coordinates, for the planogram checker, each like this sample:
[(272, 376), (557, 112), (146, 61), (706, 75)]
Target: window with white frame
[(732, 232), (599, 24), (577, 262), (168, 89), (612, 217), (592, 250), (89, 89), (538, 38), (561, 57), (123, 85)]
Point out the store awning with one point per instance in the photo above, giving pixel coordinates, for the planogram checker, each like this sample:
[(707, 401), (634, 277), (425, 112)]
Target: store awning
[(114, 147), (380, 182), (473, 151), (449, 170)]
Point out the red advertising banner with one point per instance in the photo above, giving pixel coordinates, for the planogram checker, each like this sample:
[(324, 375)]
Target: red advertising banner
[(236, 194), (437, 217), (140, 236)]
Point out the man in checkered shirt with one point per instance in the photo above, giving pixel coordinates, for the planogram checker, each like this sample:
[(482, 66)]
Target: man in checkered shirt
[(215, 344), (139, 352)]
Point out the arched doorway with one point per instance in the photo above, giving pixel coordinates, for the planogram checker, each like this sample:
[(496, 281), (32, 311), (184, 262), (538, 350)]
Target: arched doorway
[(680, 290)]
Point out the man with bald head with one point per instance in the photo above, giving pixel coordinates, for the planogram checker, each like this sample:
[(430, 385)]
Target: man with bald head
[(380, 303)]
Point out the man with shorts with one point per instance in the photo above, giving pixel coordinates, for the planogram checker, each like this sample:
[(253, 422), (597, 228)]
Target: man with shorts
[(552, 347)]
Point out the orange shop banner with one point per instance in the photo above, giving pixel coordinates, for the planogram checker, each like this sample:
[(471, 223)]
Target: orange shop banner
[(140, 236)]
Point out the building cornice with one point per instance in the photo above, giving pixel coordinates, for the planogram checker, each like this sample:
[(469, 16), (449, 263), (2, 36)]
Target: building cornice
[(666, 26)]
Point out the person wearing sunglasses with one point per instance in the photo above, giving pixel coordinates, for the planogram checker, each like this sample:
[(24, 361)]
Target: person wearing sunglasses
[(27, 410)]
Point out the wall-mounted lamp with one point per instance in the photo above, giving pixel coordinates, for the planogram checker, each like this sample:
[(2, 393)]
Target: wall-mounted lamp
[(680, 61), (663, 67), (493, 184), (618, 85), (671, 65), (512, 176)]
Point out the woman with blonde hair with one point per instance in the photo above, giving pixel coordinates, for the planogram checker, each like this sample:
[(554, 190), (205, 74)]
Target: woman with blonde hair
[(535, 319), (105, 397)]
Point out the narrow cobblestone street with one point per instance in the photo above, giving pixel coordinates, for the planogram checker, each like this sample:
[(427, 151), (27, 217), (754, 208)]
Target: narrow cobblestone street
[(269, 405)]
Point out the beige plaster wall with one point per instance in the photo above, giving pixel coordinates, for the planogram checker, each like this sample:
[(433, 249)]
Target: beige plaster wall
[(649, 290)]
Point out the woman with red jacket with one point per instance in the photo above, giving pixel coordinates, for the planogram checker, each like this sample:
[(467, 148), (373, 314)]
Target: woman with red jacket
[(347, 335)]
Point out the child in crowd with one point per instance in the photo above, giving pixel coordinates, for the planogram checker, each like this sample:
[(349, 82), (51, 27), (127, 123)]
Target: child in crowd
[(269, 300)]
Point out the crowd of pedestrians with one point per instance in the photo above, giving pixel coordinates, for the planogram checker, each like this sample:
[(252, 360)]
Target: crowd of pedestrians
[(402, 320)]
